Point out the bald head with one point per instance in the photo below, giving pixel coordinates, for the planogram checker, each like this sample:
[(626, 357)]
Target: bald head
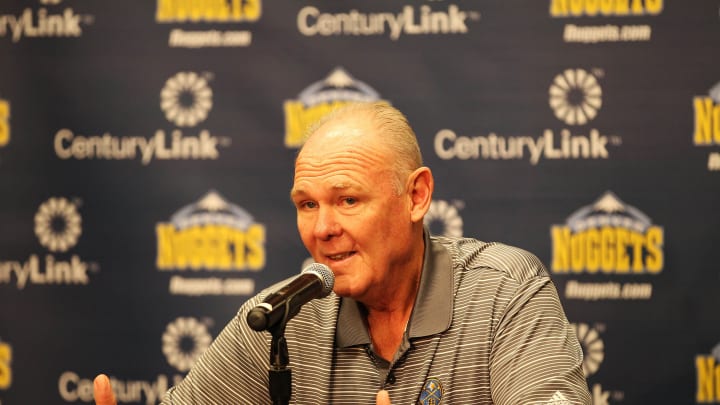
[(390, 131)]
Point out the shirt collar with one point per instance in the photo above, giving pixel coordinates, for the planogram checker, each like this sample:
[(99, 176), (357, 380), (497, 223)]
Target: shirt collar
[(432, 312)]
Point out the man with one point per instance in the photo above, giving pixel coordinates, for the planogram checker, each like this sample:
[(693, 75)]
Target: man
[(424, 319)]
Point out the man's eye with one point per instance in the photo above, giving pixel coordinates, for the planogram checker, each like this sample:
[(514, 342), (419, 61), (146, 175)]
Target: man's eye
[(309, 204), (350, 201)]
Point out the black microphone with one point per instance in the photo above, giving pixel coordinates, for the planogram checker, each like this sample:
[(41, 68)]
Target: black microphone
[(315, 281)]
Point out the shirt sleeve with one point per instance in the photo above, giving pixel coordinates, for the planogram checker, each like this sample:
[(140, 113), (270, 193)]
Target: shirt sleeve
[(536, 357)]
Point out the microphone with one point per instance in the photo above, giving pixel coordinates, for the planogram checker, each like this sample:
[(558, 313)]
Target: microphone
[(315, 281)]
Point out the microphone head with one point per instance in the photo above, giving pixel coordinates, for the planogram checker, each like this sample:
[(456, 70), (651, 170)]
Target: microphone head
[(325, 274)]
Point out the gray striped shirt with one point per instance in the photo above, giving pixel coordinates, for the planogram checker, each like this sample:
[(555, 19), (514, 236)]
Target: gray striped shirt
[(487, 328)]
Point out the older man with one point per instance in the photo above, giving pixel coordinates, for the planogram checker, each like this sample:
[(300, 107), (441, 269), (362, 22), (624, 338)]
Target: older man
[(424, 319)]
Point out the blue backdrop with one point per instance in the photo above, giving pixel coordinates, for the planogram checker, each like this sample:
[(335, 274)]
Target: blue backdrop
[(146, 155)]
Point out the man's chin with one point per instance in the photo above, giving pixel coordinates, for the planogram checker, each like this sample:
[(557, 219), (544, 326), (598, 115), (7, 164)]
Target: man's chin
[(344, 288)]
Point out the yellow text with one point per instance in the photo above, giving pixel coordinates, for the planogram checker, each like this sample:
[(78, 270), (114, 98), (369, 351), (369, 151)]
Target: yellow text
[(607, 249), (210, 247)]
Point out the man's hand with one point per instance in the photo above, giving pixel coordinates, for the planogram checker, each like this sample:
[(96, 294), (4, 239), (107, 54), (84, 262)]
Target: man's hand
[(103, 391), (382, 398)]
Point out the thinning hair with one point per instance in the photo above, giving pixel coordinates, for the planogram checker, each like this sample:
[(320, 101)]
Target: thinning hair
[(394, 130)]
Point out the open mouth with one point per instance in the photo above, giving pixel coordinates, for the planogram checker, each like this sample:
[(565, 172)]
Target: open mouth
[(340, 256)]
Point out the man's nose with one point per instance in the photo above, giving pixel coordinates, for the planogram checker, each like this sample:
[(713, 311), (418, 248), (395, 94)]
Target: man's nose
[(326, 225)]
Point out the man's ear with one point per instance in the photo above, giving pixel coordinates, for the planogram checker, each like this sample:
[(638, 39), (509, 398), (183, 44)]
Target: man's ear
[(420, 189)]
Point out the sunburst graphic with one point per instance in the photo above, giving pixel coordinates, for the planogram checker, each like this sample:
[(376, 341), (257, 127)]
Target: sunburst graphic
[(184, 341), (593, 348), (186, 99), (447, 215), (575, 96), (58, 224)]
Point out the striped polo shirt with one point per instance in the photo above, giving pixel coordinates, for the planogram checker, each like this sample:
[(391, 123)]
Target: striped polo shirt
[(487, 328)]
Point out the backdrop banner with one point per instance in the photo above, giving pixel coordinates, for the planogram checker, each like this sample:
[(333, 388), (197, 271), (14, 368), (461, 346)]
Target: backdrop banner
[(147, 151)]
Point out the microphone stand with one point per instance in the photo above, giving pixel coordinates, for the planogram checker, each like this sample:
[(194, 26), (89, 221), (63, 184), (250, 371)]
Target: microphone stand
[(280, 386)]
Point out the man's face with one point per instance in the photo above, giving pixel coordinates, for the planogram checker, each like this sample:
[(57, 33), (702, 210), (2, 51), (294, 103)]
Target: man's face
[(348, 213)]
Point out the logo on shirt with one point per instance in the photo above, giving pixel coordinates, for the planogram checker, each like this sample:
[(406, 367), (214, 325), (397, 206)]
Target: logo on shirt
[(336, 90), (432, 392), (707, 125), (607, 238), (443, 218), (558, 399), (185, 339), (707, 367)]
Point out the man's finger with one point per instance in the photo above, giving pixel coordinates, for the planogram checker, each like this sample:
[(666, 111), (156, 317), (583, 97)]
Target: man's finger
[(103, 391), (382, 398)]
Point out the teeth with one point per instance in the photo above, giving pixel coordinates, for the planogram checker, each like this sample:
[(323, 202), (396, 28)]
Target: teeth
[(339, 256)]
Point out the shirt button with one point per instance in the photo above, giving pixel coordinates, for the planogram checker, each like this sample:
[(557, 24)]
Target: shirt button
[(391, 378)]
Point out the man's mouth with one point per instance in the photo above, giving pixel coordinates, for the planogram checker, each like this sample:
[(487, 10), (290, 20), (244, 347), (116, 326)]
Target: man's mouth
[(340, 256)]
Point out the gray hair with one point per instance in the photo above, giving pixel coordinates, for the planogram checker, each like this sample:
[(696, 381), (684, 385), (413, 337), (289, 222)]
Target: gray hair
[(396, 133)]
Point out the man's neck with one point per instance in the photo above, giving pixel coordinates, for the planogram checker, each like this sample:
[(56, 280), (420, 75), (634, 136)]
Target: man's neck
[(387, 319), (388, 312)]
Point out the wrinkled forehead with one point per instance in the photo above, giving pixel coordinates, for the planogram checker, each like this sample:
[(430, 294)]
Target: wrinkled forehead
[(341, 154), (344, 129), (343, 136)]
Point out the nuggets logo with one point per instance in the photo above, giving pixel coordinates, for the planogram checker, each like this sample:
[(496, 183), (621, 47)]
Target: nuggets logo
[(432, 392), (4, 122), (707, 124), (603, 32), (593, 8), (707, 118), (211, 234), (225, 11), (608, 236), (208, 12), (336, 90), (708, 377), (5, 363)]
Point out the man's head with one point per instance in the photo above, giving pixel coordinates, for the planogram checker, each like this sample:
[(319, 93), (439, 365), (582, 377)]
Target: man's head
[(361, 193), (392, 126)]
